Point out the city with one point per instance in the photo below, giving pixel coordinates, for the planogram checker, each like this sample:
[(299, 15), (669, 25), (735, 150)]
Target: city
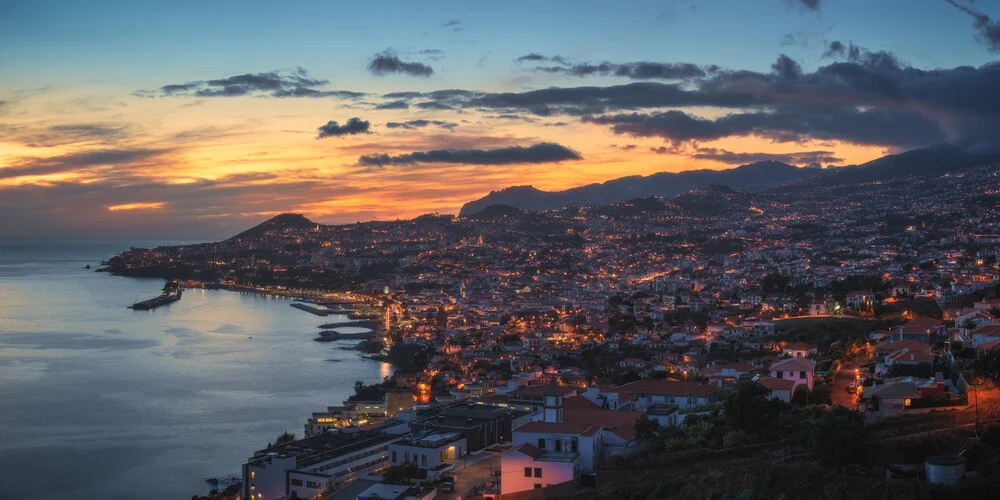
[(395, 250), (550, 350)]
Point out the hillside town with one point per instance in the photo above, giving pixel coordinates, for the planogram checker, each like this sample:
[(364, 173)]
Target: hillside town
[(540, 354)]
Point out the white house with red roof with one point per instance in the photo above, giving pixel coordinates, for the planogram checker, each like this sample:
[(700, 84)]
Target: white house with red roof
[(570, 439), (922, 329), (985, 335), (798, 350), (781, 388), (799, 370)]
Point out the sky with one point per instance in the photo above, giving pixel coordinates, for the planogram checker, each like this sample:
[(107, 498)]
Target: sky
[(183, 119)]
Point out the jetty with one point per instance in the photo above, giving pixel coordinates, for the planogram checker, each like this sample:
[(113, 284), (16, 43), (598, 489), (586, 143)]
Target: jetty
[(171, 293), (312, 309), (329, 336)]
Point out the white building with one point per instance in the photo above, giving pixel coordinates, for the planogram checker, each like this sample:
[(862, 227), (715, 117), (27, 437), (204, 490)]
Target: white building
[(799, 370), (525, 467), (433, 452)]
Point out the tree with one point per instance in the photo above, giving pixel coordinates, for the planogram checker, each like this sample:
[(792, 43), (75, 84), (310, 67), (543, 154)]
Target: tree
[(647, 430), (401, 474), (821, 395), (285, 437), (837, 437), (750, 407), (801, 395), (987, 365)]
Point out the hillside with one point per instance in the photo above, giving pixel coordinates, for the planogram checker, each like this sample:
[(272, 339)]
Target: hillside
[(297, 221)]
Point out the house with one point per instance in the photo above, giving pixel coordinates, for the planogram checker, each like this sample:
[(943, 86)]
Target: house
[(798, 350), (568, 441), (985, 335), (642, 394), (526, 467), (859, 300), (922, 329), (823, 308), (908, 357), (781, 388), (883, 351), (632, 363), (800, 370), (988, 346), (728, 370), (889, 399)]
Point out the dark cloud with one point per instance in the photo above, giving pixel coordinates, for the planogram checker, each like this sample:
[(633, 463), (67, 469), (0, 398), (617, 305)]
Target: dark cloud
[(797, 158), (387, 62), (633, 70), (297, 83), (432, 54), (400, 104), (787, 124), (809, 4), (433, 106), (403, 95), (988, 30), (414, 124), (536, 57), (545, 152), (351, 127), (454, 24), (88, 161), (837, 49)]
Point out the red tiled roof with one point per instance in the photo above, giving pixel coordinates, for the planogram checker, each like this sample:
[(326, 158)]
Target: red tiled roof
[(539, 390), (921, 325), (988, 331), (794, 364), (910, 357), (989, 346), (527, 449), (666, 387), (621, 423), (777, 384), (579, 404), (558, 428), (899, 345)]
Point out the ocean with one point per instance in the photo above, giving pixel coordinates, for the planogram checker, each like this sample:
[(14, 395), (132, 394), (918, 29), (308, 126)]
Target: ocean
[(100, 401)]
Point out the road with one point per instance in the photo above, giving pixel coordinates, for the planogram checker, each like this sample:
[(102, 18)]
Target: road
[(470, 471), (841, 380)]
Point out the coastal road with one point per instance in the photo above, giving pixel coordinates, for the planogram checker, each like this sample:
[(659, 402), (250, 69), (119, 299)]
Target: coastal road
[(841, 380)]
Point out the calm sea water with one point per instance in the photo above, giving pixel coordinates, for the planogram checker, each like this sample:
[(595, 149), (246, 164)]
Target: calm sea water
[(99, 401)]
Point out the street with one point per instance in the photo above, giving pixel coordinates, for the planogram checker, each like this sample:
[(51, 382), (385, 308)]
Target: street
[(841, 380), (470, 471)]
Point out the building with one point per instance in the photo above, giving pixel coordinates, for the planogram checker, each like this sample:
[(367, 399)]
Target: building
[(860, 300), (781, 388), (798, 350), (432, 452), (889, 399), (526, 467), (799, 370), (922, 329), (315, 465), (642, 394), (480, 425)]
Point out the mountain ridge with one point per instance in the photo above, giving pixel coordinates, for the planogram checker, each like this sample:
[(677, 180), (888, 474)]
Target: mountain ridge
[(750, 176)]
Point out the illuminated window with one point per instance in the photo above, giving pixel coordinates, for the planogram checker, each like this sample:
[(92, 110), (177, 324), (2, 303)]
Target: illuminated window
[(906, 402)]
